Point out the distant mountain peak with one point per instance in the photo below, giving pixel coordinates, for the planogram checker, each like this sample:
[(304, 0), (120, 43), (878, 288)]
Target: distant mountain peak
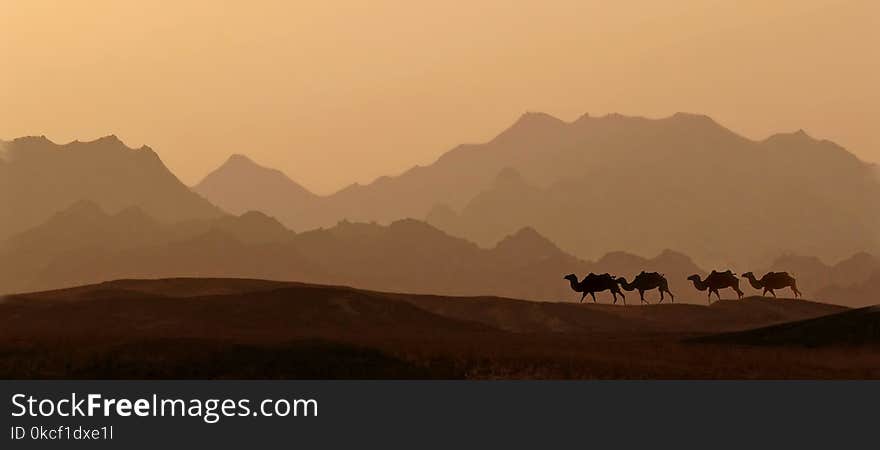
[(527, 240), (692, 117), (527, 234), (238, 158), (795, 137), (260, 218), (240, 162), (531, 125), (29, 140), (110, 139), (240, 185), (674, 258), (239, 168), (619, 258), (538, 117)]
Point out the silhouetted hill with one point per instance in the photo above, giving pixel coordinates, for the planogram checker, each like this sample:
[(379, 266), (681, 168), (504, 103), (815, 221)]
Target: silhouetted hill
[(601, 184), (859, 327), (240, 185), (542, 317), (40, 178), (276, 306), (241, 328)]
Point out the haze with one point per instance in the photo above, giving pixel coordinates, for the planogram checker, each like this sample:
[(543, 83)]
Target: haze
[(345, 91)]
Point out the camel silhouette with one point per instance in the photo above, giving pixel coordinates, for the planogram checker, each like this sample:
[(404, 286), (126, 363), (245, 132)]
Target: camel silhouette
[(716, 281), (593, 283), (773, 280), (645, 281)]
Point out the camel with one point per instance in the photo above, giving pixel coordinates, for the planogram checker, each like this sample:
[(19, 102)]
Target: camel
[(593, 283), (716, 281), (646, 281), (773, 280)]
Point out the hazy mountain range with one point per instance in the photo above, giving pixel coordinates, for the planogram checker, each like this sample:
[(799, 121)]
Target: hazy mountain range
[(600, 184), (496, 215), (84, 245), (39, 178)]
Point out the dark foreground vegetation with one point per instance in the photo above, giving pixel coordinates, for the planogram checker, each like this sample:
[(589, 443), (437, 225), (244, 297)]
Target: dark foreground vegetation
[(222, 328)]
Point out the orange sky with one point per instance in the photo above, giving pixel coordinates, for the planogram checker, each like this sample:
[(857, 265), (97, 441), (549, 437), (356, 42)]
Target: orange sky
[(339, 91)]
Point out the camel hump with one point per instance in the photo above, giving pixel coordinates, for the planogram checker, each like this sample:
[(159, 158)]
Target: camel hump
[(779, 275), (649, 275), (726, 275)]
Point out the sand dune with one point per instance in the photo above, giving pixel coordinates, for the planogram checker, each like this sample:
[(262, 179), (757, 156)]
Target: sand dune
[(858, 327), (208, 328)]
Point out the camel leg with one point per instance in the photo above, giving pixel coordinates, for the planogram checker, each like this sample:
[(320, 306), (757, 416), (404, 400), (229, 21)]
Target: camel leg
[(772, 293), (671, 297), (739, 294), (717, 294), (642, 296), (582, 297), (661, 296), (794, 289), (593, 294), (710, 296), (622, 296)]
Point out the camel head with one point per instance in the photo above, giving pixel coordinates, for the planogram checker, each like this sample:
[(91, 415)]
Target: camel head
[(748, 275), (698, 283), (571, 277)]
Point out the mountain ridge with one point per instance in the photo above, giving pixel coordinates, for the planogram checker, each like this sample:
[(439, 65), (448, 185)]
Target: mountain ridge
[(86, 244), (41, 178), (598, 164)]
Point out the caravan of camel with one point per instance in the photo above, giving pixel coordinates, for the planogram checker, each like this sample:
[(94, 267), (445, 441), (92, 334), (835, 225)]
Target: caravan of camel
[(646, 281)]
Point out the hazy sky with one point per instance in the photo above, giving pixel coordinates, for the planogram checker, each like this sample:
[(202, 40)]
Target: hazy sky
[(334, 92)]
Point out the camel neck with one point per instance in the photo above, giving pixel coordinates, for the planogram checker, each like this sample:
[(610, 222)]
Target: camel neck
[(700, 284), (756, 283)]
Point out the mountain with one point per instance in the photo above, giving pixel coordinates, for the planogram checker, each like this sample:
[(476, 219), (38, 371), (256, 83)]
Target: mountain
[(509, 191), (241, 185), (687, 183), (601, 184), (40, 178), (85, 244)]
